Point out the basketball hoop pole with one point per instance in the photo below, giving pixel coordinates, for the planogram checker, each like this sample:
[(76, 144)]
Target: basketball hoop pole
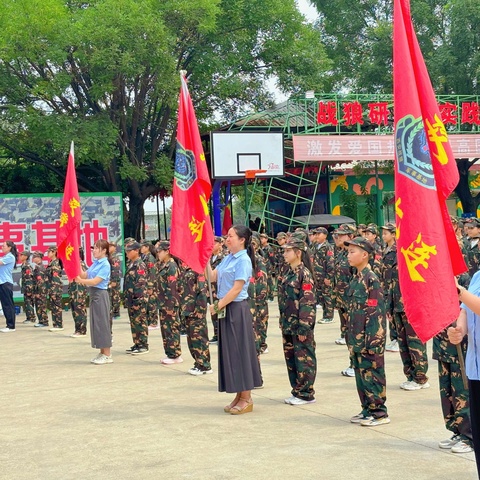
[(249, 175)]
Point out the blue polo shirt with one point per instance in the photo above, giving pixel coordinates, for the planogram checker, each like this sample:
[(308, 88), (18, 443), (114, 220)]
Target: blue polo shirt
[(234, 267), (7, 268), (472, 360), (100, 268)]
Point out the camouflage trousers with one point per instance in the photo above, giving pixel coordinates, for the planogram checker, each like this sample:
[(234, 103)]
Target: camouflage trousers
[(197, 339), (454, 398), (170, 328), (215, 325), (324, 298), (137, 313), (29, 305), (260, 326), (115, 301), (342, 313), (392, 329), (78, 304), (371, 382), (41, 308), (55, 304), (270, 287), (152, 307), (412, 351), (301, 365)]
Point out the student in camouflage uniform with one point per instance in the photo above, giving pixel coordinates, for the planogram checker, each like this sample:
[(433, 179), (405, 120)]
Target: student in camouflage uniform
[(257, 293), (472, 227), (215, 259), (296, 298), (267, 252), (388, 273), (323, 269), (55, 288), (28, 287), (135, 292), (193, 295), (40, 289), (115, 282), (169, 305), (280, 265), (454, 396), (78, 301), (366, 333), (375, 261), (148, 256)]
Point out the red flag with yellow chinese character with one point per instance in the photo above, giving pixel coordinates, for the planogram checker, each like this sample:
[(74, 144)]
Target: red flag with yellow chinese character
[(425, 175), (68, 235), (192, 235)]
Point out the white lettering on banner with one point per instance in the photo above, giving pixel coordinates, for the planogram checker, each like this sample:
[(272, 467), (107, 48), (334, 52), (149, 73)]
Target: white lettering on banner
[(390, 147), (354, 147), (314, 148), (335, 146), (463, 146), (477, 146), (374, 147)]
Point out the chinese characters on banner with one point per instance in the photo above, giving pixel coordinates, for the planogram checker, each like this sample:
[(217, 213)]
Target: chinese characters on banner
[(330, 112)]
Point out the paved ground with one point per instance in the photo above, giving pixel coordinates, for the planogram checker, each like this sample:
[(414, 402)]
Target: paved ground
[(63, 418)]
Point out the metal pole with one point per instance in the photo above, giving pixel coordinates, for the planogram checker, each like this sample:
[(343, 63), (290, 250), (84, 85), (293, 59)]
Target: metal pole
[(165, 219), (377, 196), (158, 218)]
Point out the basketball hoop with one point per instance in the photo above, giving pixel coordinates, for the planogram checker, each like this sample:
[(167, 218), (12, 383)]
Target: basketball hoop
[(250, 174)]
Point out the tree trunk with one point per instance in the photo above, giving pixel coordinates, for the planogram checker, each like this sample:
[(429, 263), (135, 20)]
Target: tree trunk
[(135, 214), (469, 201)]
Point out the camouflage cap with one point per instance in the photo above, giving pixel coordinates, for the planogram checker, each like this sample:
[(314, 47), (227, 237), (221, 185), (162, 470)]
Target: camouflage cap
[(361, 226), (345, 229), (281, 235), (472, 222), (25, 253), (38, 254), (163, 245), (299, 235), (361, 242), (218, 239), (321, 230), (129, 240), (295, 243), (263, 235), (372, 229), (132, 246), (390, 227), (145, 243)]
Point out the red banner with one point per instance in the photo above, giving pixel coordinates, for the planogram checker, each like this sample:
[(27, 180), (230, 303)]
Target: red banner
[(68, 234), (192, 235), (425, 175)]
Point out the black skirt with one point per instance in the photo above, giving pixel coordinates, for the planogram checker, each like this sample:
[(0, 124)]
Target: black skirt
[(238, 367)]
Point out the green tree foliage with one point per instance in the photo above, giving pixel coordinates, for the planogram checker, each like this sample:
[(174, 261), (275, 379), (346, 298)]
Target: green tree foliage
[(105, 73)]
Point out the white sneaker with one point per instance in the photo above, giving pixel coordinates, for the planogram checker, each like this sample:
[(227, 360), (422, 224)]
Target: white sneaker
[(392, 346), (171, 361), (262, 352), (154, 327), (360, 418), (326, 320), (375, 422), (449, 443), (340, 341), (348, 372), (413, 385), (77, 335), (402, 385), (462, 447), (102, 359), (298, 401), (7, 330), (196, 371), (55, 329)]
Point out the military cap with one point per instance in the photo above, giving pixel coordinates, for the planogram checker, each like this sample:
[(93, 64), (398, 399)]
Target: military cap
[(145, 243), (25, 253), (163, 245), (299, 235), (263, 235), (132, 246), (38, 254), (390, 227), (372, 229), (218, 239), (361, 226), (295, 243), (281, 235), (472, 222), (344, 229), (321, 230), (361, 242)]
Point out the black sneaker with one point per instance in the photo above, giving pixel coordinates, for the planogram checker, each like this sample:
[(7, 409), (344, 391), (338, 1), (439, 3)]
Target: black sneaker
[(131, 349), (139, 350), (214, 340)]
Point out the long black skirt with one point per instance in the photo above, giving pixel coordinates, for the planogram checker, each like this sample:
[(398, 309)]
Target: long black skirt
[(238, 367)]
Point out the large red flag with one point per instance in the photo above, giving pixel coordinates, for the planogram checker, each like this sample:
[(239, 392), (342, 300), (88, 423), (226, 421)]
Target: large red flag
[(192, 235), (227, 220), (68, 234), (425, 175)]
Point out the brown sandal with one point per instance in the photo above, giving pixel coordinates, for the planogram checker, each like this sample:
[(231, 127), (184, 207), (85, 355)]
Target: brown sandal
[(236, 410), (227, 408)]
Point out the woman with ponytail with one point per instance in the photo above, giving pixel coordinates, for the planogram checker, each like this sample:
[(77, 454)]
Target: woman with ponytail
[(7, 264), (238, 368)]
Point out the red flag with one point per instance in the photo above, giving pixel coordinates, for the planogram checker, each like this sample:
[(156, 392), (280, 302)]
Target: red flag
[(425, 175), (68, 234), (192, 235), (227, 220)]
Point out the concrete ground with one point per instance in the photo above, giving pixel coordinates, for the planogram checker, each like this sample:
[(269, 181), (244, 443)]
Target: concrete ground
[(64, 418)]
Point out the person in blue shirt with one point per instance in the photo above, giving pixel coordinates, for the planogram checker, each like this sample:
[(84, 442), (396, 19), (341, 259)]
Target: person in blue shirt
[(7, 264), (469, 323), (238, 367), (97, 278)]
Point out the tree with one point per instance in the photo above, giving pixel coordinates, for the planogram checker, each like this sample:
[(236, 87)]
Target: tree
[(105, 74)]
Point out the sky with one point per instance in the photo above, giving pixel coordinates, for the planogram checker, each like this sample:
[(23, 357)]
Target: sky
[(310, 13)]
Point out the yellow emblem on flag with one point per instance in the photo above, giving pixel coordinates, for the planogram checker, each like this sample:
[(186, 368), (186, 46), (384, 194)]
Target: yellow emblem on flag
[(202, 157), (399, 213), (63, 219), (204, 203), (438, 135), (196, 228), (68, 251), (73, 204), (417, 255)]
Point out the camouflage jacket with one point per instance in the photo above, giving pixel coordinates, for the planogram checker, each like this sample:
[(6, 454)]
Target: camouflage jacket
[(76, 287), (390, 282), (444, 351), (40, 277), (116, 272), (193, 294), (296, 301), (135, 282), (54, 277), (258, 286), (375, 260), (168, 276), (152, 270), (473, 257), (343, 274), (366, 323), (323, 262), (28, 282), (214, 262), (281, 266)]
